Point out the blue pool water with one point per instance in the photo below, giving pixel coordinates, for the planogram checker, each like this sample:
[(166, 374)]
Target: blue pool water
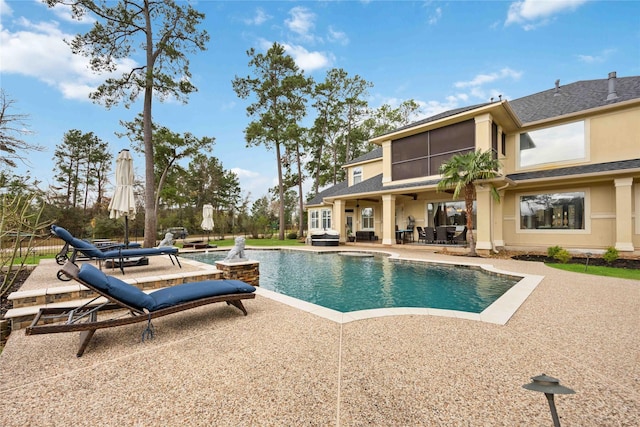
[(345, 283)]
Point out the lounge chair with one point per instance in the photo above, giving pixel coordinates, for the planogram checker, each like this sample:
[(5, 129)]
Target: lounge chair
[(142, 307), (117, 255)]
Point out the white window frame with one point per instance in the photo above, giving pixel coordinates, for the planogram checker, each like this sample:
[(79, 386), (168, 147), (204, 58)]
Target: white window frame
[(356, 176), (314, 219), (587, 213), (365, 220), (325, 219), (580, 159)]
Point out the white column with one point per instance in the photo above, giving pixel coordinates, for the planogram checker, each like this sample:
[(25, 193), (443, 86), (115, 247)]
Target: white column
[(388, 219), (339, 219), (483, 217), (624, 220)]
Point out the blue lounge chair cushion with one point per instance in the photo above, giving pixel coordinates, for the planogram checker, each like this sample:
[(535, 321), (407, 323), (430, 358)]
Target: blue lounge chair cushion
[(115, 287), (125, 253), (162, 298), (186, 292), (90, 250)]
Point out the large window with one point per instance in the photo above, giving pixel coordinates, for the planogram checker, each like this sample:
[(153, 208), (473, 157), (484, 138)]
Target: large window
[(554, 144), (320, 219), (553, 211), (357, 175), (367, 219), (448, 213)]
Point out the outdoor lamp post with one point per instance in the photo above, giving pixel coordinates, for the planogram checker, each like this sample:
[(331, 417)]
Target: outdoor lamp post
[(549, 386)]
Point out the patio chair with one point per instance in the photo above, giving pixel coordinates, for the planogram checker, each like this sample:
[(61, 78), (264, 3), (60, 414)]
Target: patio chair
[(460, 235), (426, 234), (117, 255), (441, 234), (141, 306)]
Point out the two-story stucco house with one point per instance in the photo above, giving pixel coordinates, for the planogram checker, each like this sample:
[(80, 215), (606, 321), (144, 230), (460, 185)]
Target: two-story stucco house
[(570, 172)]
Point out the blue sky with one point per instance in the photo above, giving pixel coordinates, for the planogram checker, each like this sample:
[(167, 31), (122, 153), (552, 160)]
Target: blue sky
[(444, 55)]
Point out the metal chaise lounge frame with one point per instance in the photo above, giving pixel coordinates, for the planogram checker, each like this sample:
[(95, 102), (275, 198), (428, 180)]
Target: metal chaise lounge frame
[(119, 253), (84, 319)]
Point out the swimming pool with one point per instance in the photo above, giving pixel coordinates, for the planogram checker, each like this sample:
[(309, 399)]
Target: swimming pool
[(347, 284)]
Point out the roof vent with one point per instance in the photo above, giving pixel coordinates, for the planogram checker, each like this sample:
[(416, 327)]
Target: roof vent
[(556, 92), (612, 87)]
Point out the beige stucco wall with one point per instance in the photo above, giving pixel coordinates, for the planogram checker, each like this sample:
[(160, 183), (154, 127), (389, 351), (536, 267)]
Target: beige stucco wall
[(369, 170), (615, 136)]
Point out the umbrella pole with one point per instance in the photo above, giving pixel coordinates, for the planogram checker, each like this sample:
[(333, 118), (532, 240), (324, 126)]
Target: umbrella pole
[(126, 231)]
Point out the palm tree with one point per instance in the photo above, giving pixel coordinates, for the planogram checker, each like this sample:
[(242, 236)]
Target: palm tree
[(461, 172)]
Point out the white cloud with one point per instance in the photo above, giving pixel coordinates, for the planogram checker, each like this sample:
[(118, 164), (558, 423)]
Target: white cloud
[(245, 173), (336, 36), (598, 58), (254, 183), (534, 13), (482, 79), (5, 10), (38, 50), (301, 21), (435, 16), (309, 61), (259, 18)]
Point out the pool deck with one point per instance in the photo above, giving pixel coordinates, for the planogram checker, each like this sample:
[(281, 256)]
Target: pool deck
[(284, 365)]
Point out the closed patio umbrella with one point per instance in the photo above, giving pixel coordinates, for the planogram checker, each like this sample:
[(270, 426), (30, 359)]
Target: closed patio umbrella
[(123, 202), (207, 219)]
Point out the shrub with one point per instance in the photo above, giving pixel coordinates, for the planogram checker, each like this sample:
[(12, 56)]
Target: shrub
[(292, 236), (553, 250), (610, 255), (563, 256)]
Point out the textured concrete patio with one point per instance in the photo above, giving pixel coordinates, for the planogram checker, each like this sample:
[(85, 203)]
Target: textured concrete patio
[(281, 366)]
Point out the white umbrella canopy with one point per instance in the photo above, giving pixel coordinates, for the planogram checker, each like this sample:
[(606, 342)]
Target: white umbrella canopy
[(123, 202), (207, 219)]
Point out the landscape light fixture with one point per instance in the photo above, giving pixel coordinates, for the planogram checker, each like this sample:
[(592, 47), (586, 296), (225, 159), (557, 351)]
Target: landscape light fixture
[(549, 386), (586, 264)]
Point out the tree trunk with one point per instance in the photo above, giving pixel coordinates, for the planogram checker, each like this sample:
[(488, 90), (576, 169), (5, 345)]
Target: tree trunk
[(280, 194), (300, 195), (147, 130), (468, 202)]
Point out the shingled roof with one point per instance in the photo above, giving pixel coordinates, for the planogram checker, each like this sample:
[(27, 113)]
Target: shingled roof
[(574, 97), (317, 199), (622, 166), (376, 153)]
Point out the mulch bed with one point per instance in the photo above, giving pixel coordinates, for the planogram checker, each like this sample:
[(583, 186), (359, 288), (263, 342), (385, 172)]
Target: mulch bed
[(618, 263)]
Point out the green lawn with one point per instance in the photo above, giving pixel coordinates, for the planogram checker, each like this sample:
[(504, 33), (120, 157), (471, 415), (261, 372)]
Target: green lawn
[(622, 273)]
